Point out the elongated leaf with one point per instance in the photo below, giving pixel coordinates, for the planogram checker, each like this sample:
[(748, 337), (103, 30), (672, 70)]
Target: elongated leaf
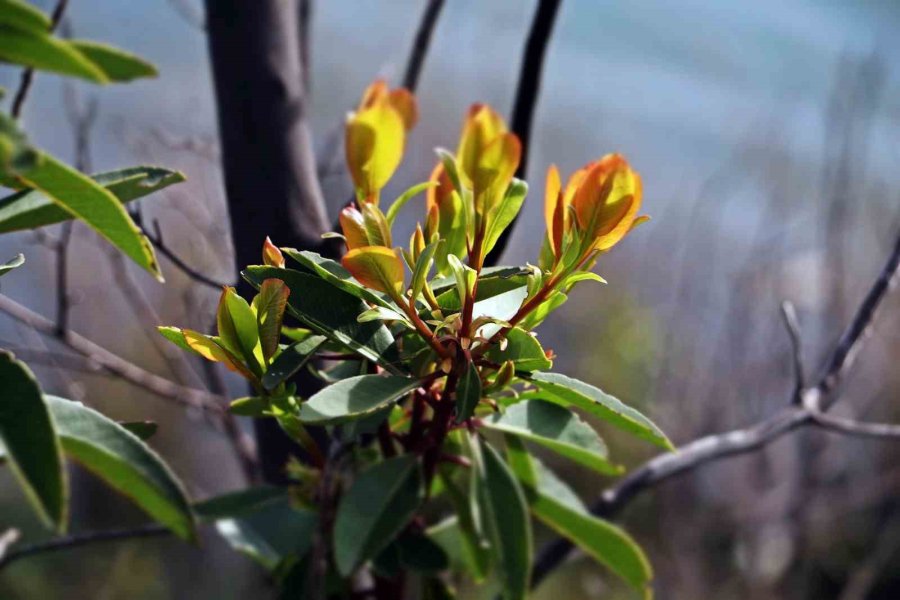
[(468, 393), (21, 15), (17, 156), (378, 505), (291, 360), (238, 327), (124, 462), (96, 206), (236, 504), (558, 429), (116, 64), (331, 312), (523, 349), (334, 273), (468, 547), (567, 391), (400, 202), (501, 307), (504, 213), (270, 532), (17, 261), (537, 316), (506, 514), (176, 336), (32, 447), (422, 268), (355, 398), (30, 208), (560, 509), (269, 306), (44, 52)]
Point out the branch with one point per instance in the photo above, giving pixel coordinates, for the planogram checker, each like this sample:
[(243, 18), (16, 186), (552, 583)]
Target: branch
[(814, 401), (158, 242), (527, 94), (421, 44), (83, 539), (28, 74), (113, 363)]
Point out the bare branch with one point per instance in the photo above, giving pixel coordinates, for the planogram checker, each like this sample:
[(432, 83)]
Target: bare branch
[(789, 315), (113, 363), (180, 263), (83, 539), (527, 95), (421, 44), (814, 402), (855, 428)]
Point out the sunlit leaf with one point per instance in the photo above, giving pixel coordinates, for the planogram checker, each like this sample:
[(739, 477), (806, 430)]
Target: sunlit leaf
[(116, 64), (238, 327), (269, 306), (558, 429), (123, 462), (29, 209), (398, 204), (523, 349), (504, 213), (334, 273), (42, 51), (567, 391), (17, 261)]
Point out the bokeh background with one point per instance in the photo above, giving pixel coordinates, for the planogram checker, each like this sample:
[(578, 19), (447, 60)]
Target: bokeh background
[(767, 137)]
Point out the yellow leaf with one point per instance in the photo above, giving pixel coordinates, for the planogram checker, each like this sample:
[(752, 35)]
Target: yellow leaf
[(482, 126), (272, 256), (552, 208), (354, 228), (376, 267), (607, 201)]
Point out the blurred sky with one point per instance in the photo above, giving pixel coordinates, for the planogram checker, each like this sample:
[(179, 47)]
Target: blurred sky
[(674, 86)]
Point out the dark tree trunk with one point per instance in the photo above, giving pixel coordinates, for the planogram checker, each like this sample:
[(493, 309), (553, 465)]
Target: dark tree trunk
[(267, 156)]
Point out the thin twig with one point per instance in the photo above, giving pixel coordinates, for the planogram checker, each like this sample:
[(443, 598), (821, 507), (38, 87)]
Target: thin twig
[(789, 316), (814, 402), (73, 541), (421, 44), (527, 94), (28, 74), (183, 266)]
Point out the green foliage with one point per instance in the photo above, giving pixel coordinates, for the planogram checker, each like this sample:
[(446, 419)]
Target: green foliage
[(355, 398), (124, 462), (32, 447), (375, 509)]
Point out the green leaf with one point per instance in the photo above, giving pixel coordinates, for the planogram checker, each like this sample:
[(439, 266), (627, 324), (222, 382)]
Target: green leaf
[(466, 546), (42, 51), (32, 447), (335, 274), (269, 532), (506, 515), (116, 64), (176, 336), (124, 462), (143, 429), (468, 392), (558, 429), (382, 313), (235, 504), (238, 327), (249, 406), (558, 507), (331, 312), (17, 156), (567, 391), (504, 213), (377, 268), (523, 349), (354, 398), (400, 202), (269, 306), (13, 263), (22, 15), (291, 360), (29, 209), (377, 507), (422, 268), (96, 206)]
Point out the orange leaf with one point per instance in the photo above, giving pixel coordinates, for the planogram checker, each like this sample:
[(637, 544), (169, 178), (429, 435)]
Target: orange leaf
[(376, 267)]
